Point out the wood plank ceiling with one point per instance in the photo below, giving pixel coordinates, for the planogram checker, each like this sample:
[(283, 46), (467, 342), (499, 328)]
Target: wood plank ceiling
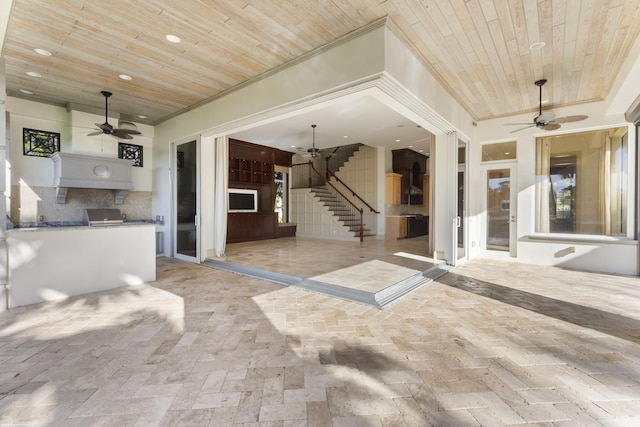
[(478, 49)]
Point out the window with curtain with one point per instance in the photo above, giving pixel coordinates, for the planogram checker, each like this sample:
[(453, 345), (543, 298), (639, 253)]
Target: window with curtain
[(582, 183), (280, 179)]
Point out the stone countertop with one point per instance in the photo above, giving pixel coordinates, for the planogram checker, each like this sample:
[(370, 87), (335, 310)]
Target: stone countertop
[(81, 227)]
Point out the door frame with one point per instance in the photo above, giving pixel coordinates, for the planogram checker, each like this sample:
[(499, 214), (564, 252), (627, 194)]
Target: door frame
[(513, 206), (461, 222), (174, 204)]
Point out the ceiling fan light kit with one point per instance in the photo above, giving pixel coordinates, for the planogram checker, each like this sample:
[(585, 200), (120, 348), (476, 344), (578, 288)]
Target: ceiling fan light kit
[(547, 120), (125, 130), (313, 150)]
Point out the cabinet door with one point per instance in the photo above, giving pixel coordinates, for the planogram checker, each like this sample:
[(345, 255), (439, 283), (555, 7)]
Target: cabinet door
[(392, 188)]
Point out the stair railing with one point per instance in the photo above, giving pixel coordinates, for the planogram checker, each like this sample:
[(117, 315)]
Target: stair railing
[(313, 175), (353, 193)]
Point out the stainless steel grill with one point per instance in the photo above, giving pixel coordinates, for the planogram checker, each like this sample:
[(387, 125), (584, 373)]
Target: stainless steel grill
[(99, 217)]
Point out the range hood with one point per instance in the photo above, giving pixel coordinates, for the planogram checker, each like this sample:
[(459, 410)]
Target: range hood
[(84, 171)]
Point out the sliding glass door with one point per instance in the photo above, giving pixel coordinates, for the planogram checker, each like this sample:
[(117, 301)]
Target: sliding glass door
[(186, 203)]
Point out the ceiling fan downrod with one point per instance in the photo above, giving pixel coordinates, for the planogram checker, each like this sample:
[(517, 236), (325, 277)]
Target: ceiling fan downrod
[(540, 83), (106, 95)]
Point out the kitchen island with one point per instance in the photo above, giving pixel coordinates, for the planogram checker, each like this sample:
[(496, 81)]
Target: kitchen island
[(53, 263)]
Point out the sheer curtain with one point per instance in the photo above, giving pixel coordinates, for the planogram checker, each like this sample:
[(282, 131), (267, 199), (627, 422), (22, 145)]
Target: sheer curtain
[(221, 175), (543, 182)]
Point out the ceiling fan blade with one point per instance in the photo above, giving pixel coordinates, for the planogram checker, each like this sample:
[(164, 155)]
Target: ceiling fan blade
[(518, 124), (124, 133), (98, 132), (570, 119), (518, 130), (121, 135), (551, 126), (128, 131)]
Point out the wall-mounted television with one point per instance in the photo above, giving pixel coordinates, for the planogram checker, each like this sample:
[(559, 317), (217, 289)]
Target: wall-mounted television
[(242, 200)]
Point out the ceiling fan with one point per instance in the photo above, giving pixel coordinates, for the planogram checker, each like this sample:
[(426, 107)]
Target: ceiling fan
[(547, 120), (107, 129)]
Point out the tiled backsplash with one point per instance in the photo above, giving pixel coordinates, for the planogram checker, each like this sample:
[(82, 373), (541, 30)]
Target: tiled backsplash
[(33, 205)]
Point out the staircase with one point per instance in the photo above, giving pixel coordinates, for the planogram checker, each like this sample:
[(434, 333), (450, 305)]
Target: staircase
[(341, 210)]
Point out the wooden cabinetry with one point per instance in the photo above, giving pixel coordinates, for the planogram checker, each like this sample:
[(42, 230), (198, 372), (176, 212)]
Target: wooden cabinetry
[(393, 182), (252, 166), (395, 227), (244, 227), (250, 171), (413, 166), (287, 230)]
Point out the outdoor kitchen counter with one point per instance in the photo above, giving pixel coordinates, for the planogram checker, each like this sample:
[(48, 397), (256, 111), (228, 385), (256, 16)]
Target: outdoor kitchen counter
[(53, 263)]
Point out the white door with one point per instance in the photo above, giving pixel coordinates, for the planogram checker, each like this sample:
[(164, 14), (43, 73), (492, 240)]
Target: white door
[(186, 222), (500, 208)]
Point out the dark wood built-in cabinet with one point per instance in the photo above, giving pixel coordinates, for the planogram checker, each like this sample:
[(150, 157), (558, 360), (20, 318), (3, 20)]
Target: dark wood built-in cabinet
[(250, 171), (251, 167), (412, 166)]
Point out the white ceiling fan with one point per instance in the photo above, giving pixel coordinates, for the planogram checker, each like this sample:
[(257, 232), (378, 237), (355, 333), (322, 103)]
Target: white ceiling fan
[(124, 132), (547, 120)]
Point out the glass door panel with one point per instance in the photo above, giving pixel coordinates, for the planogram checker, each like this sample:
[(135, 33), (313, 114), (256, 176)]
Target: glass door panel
[(186, 227), (499, 216), (461, 249)]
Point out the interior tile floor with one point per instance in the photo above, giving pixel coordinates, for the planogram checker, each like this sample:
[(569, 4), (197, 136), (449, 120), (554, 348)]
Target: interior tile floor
[(371, 265), (489, 343)]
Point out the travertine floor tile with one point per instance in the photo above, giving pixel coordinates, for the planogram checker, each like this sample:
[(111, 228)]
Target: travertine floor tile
[(491, 343)]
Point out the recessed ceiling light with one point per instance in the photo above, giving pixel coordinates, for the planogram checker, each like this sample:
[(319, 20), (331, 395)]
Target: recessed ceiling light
[(346, 136), (537, 46), (507, 153), (397, 140), (42, 52), (27, 92), (125, 77), (142, 117), (172, 38), (293, 146), (411, 146), (33, 74)]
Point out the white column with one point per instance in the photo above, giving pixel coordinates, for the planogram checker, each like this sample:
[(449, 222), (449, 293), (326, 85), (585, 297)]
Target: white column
[(445, 210)]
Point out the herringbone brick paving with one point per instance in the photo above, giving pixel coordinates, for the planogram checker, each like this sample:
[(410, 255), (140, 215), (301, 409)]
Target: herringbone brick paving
[(490, 343)]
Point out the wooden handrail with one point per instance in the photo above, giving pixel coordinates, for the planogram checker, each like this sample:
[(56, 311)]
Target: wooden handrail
[(352, 192)]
